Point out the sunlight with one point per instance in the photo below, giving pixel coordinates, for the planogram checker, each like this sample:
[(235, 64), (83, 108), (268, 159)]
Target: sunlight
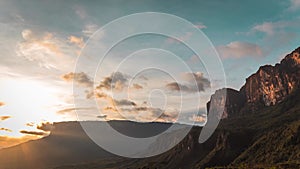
[(27, 101)]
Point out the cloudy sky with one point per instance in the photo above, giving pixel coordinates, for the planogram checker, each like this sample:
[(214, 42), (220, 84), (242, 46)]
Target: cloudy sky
[(42, 40)]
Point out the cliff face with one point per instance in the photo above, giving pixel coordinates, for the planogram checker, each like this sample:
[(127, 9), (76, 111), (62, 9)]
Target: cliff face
[(228, 99), (271, 84), (268, 86)]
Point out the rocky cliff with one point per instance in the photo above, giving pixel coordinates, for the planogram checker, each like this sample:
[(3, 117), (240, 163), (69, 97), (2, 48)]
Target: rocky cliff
[(268, 86), (228, 99), (271, 84)]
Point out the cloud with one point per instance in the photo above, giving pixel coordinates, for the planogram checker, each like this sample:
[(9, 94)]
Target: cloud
[(137, 86), (177, 87), (78, 78), (295, 4), (239, 49), (270, 28), (109, 108), (101, 95), (80, 11), (48, 51), (2, 104), (266, 27), (90, 29), (198, 118), (200, 25), (27, 34), (38, 42), (201, 83), (124, 102), (37, 133), (5, 129), (102, 116), (144, 113), (115, 81), (70, 110), (276, 34), (4, 118), (143, 78), (31, 124), (77, 41), (194, 59), (183, 38), (46, 126), (168, 117)]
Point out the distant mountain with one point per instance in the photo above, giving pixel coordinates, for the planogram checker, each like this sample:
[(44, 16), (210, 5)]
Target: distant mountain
[(66, 144), (260, 128), (69, 144)]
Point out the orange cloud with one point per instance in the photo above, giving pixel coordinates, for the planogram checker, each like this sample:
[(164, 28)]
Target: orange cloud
[(50, 46), (5, 129), (79, 78), (76, 41), (40, 41), (47, 126), (4, 117), (31, 124), (2, 104), (137, 86), (36, 133), (71, 110)]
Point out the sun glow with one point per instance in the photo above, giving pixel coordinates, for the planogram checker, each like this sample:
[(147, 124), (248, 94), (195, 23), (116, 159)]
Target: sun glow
[(27, 101)]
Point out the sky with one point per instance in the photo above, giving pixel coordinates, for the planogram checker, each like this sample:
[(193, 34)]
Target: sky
[(41, 43)]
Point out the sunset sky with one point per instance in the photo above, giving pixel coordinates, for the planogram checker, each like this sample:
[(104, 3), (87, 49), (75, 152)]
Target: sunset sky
[(41, 40)]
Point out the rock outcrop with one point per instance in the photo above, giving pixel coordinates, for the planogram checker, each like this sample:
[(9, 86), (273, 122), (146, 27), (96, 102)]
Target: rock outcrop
[(268, 86), (271, 84), (229, 100)]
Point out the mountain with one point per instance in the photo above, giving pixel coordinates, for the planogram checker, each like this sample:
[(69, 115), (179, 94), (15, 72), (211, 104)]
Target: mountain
[(268, 138), (69, 144), (270, 85), (231, 100), (260, 128), (65, 145)]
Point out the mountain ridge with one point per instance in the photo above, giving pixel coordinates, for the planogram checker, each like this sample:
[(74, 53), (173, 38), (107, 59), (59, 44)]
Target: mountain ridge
[(269, 85)]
